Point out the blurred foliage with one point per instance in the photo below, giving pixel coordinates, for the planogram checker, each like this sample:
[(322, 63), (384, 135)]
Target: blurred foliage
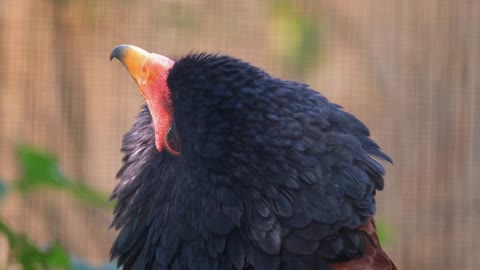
[(384, 232), (299, 36), (40, 170), (3, 189), (30, 257)]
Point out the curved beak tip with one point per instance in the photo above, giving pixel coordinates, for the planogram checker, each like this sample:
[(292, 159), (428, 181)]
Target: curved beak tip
[(132, 57), (119, 52)]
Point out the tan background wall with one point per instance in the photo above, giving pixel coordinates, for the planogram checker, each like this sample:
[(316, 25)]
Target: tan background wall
[(409, 69)]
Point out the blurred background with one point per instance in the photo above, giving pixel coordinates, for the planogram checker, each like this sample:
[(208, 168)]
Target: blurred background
[(409, 69)]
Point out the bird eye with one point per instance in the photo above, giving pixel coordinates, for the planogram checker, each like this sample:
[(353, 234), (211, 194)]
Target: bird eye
[(171, 140)]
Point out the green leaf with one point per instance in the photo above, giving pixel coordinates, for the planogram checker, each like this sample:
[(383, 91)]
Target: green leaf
[(30, 257), (39, 169), (90, 196), (3, 189), (384, 232), (56, 256), (5, 230), (299, 36)]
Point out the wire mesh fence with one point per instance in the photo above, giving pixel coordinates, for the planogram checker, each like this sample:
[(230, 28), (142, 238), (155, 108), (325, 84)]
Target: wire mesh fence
[(409, 70)]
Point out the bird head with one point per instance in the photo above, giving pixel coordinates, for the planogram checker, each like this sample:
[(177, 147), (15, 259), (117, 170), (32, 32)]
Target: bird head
[(199, 104)]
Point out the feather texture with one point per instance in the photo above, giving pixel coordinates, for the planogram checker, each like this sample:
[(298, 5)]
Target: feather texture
[(271, 176)]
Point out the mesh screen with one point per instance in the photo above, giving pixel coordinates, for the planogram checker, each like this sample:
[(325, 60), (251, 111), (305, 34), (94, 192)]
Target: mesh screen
[(408, 69)]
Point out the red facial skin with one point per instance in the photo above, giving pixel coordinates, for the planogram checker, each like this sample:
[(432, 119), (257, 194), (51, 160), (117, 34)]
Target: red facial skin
[(150, 71), (153, 86)]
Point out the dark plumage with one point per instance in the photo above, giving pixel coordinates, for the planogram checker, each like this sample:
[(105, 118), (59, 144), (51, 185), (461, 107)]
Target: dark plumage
[(270, 175)]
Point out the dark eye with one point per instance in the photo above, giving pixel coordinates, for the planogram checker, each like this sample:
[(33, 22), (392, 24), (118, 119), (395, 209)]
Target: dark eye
[(172, 139)]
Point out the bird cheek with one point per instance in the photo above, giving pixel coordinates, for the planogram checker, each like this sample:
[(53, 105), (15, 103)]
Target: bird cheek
[(154, 88), (159, 103), (161, 117)]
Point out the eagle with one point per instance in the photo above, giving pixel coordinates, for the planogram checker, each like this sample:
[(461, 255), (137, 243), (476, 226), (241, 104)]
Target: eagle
[(229, 168)]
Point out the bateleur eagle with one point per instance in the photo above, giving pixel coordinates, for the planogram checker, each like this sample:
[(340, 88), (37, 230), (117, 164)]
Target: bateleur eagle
[(227, 167)]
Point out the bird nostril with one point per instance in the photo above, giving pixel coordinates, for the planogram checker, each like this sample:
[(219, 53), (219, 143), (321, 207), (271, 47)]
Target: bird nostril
[(143, 79)]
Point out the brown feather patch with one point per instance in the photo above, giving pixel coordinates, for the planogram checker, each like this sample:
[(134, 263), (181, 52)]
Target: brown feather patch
[(374, 258)]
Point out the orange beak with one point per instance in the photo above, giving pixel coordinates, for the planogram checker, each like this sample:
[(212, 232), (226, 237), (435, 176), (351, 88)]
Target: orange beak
[(150, 72)]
